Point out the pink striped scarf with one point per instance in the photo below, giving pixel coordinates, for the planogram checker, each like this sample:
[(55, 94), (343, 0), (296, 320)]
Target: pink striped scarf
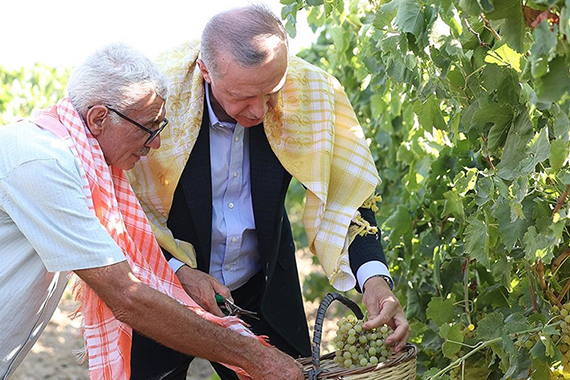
[(112, 200)]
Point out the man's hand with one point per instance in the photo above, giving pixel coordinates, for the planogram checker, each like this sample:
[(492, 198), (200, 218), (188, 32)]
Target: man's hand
[(275, 365), (384, 308), (203, 288)]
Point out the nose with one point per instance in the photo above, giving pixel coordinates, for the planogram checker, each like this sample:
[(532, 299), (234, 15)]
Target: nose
[(260, 107), (155, 143)]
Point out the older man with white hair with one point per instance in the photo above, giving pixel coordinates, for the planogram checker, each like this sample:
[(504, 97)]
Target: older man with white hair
[(66, 205)]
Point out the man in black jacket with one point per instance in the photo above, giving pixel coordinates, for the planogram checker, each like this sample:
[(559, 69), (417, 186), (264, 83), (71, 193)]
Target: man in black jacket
[(243, 123)]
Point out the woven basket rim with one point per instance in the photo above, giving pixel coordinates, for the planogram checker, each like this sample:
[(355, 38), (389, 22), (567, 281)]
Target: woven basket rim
[(409, 352)]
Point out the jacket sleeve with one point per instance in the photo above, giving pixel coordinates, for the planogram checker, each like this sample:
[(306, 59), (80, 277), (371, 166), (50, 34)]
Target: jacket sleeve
[(367, 247)]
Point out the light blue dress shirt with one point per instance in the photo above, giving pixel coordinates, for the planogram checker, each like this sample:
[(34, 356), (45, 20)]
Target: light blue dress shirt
[(234, 257)]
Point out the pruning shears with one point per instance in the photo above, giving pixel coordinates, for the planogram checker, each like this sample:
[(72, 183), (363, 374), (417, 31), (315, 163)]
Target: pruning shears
[(230, 308)]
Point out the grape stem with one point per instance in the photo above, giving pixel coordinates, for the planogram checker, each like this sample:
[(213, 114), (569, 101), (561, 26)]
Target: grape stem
[(466, 290)]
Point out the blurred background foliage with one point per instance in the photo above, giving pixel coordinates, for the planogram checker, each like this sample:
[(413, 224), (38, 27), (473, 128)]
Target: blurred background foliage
[(26, 88)]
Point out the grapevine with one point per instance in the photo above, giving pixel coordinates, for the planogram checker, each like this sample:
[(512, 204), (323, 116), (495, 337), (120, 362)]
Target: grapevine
[(465, 105)]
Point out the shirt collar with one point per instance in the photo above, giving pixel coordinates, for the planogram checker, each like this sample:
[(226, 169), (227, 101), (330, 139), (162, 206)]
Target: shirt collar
[(214, 121)]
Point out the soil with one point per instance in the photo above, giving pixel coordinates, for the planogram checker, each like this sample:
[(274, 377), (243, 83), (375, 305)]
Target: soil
[(52, 356)]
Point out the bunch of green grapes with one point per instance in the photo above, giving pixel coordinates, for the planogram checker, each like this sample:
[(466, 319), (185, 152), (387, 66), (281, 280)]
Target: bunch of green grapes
[(563, 344), (526, 341), (357, 347), (559, 373)]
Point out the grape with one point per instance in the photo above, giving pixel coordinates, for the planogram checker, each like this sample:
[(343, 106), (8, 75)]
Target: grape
[(563, 342), (359, 347)]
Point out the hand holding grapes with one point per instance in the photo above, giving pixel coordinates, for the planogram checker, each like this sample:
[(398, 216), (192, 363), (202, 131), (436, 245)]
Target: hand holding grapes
[(384, 308)]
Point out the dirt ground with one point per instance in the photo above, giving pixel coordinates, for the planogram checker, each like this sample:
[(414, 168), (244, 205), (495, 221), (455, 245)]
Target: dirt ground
[(52, 357)]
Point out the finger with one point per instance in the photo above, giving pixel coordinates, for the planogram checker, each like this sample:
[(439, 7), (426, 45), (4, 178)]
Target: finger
[(221, 289), (385, 315), (401, 332), (402, 343), (378, 321), (212, 306), (399, 335)]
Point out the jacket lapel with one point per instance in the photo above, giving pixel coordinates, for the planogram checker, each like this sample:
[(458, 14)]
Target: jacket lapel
[(197, 184), (268, 190)]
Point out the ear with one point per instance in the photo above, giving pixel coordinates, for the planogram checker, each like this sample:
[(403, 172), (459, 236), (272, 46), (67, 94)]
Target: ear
[(94, 119), (204, 71)]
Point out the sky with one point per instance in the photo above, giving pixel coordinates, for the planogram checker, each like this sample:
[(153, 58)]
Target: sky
[(64, 32)]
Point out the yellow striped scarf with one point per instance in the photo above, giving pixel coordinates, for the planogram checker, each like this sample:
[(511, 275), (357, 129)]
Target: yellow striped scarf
[(314, 133)]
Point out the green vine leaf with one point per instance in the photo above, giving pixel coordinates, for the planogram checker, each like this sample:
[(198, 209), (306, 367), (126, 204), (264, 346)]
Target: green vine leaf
[(477, 240), (491, 326), (538, 245), (519, 136), (440, 311), (410, 18), (559, 152), (552, 86), (453, 339)]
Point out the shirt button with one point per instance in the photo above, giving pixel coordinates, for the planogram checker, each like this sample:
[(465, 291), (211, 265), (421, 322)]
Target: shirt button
[(235, 174), (228, 267), (236, 139), (234, 239), (231, 205)]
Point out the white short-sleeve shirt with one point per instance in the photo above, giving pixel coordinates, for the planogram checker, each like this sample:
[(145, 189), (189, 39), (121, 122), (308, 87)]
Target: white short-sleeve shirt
[(46, 230)]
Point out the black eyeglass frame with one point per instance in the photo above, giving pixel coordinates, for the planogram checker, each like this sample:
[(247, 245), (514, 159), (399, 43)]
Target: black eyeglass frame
[(152, 133)]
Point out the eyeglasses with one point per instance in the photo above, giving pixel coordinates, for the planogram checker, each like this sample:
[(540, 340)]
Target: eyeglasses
[(152, 133)]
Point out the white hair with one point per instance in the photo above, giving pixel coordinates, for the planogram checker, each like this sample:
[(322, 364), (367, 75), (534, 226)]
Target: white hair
[(237, 32), (116, 75)]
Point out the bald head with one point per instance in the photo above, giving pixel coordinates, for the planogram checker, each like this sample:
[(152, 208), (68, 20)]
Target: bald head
[(250, 35)]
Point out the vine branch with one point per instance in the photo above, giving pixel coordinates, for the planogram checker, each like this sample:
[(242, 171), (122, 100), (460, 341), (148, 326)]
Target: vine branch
[(487, 156), (476, 34), (466, 289), (531, 292), (489, 26), (560, 202), (557, 263), (564, 291)]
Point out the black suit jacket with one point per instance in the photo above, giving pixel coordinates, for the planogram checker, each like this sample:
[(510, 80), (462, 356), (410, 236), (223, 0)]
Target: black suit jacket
[(190, 219)]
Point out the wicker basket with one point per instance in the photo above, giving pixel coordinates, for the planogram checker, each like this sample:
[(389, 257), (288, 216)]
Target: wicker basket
[(400, 366)]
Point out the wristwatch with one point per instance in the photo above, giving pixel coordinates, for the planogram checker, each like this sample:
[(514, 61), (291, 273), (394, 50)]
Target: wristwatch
[(386, 278)]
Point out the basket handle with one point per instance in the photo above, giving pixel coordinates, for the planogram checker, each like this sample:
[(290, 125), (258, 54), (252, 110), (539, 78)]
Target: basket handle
[(317, 334)]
